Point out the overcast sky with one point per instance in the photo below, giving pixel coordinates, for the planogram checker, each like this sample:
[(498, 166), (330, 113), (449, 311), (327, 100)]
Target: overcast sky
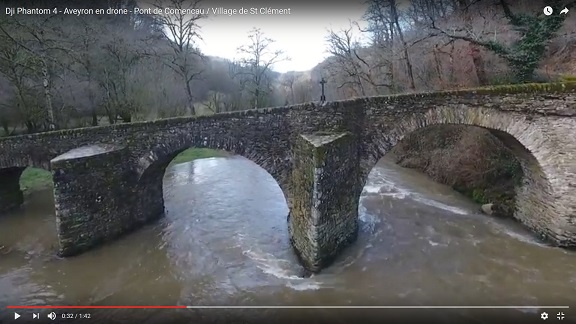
[(301, 35)]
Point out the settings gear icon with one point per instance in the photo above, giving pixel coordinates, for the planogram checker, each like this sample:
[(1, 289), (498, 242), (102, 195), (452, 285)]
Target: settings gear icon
[(544, 316)]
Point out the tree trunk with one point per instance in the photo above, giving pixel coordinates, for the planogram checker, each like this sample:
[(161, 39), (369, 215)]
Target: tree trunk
[(409, 67), (93, 110), (478, 64), (392, 72), (94, 117), (475, 52), (47, 93), (452, 69), (190, 98), (360, 85), (438, 67)]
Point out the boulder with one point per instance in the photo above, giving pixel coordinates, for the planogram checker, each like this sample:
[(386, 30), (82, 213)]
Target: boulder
[(487, 209)]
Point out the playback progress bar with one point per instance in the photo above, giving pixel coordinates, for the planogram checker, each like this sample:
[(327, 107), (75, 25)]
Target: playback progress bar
[(378, 307), (281, 307)]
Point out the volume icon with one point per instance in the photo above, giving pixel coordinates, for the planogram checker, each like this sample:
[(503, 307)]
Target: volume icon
[(52, 316)]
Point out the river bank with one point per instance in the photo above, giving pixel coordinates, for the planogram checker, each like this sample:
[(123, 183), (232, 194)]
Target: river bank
[(469, 159), (33, 179)]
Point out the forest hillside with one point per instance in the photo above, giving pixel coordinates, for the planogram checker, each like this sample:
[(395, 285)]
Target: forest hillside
[(66, 71)]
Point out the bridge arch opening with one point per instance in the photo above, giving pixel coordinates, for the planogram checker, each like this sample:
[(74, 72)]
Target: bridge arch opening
[(437, 143), (35, 178), (27, 222), (176, 172), (212, 201), (18, 182), (471, 160)]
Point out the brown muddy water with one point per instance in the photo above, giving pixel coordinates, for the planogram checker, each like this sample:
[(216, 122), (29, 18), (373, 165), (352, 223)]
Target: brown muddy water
[(224, 242)]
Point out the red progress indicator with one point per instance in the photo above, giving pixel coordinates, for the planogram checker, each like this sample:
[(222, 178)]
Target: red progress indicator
[(93, 307)]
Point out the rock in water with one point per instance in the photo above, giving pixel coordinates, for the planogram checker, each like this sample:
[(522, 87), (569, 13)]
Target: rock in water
[(487, 209), (303, 273)]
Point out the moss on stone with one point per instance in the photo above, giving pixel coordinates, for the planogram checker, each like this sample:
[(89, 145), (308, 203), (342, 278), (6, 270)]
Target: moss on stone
[(519, 88), (302, 183), (192, 154), (553, 87), (320, 156), (568, 78)]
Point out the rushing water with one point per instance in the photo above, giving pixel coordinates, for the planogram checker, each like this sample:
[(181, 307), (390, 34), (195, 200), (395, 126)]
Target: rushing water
[(224, 242)]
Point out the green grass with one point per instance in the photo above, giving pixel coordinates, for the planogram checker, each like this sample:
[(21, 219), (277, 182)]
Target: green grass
[(33, 179), (192, 154)]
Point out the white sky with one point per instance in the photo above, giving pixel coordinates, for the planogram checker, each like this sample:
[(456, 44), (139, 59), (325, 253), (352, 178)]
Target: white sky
[(301, 35)]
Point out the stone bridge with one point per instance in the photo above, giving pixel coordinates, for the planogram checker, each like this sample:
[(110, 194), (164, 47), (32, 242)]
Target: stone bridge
[(108, 180)]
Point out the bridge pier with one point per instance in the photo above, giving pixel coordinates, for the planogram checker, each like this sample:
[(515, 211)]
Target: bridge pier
[(93, 197), (10, 194), (325, 189)]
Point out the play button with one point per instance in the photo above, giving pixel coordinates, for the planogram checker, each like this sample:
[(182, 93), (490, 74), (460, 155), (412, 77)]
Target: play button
[(16, 315)]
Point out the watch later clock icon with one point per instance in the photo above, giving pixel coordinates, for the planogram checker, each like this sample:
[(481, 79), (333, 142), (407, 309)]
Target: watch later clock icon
[(548, 10)]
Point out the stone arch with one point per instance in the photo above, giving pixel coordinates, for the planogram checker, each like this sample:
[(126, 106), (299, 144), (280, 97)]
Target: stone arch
[(151, 166), (11, 194), (40, 163), (535, 197)]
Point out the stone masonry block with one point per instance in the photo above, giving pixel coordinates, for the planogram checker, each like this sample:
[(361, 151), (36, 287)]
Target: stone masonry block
[(92, 196), (325, 188)]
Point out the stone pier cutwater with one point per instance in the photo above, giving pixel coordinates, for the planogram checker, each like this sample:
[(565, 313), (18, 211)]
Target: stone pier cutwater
[(108, 179), (92, 196), (325, 190)]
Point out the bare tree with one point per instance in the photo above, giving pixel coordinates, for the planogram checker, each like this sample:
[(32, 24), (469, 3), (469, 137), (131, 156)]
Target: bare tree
[(255, 63), (182, 29), (381, 32), (475, 52), (360, 74), (288, 82), (64, 71), (121, 57), (341, 46), (216, 102), (17, 65), (85, 43), (396, 20), (303, 90), (36, 36)]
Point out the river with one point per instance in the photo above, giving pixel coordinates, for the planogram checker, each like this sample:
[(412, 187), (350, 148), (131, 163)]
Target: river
[(224, 242)]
